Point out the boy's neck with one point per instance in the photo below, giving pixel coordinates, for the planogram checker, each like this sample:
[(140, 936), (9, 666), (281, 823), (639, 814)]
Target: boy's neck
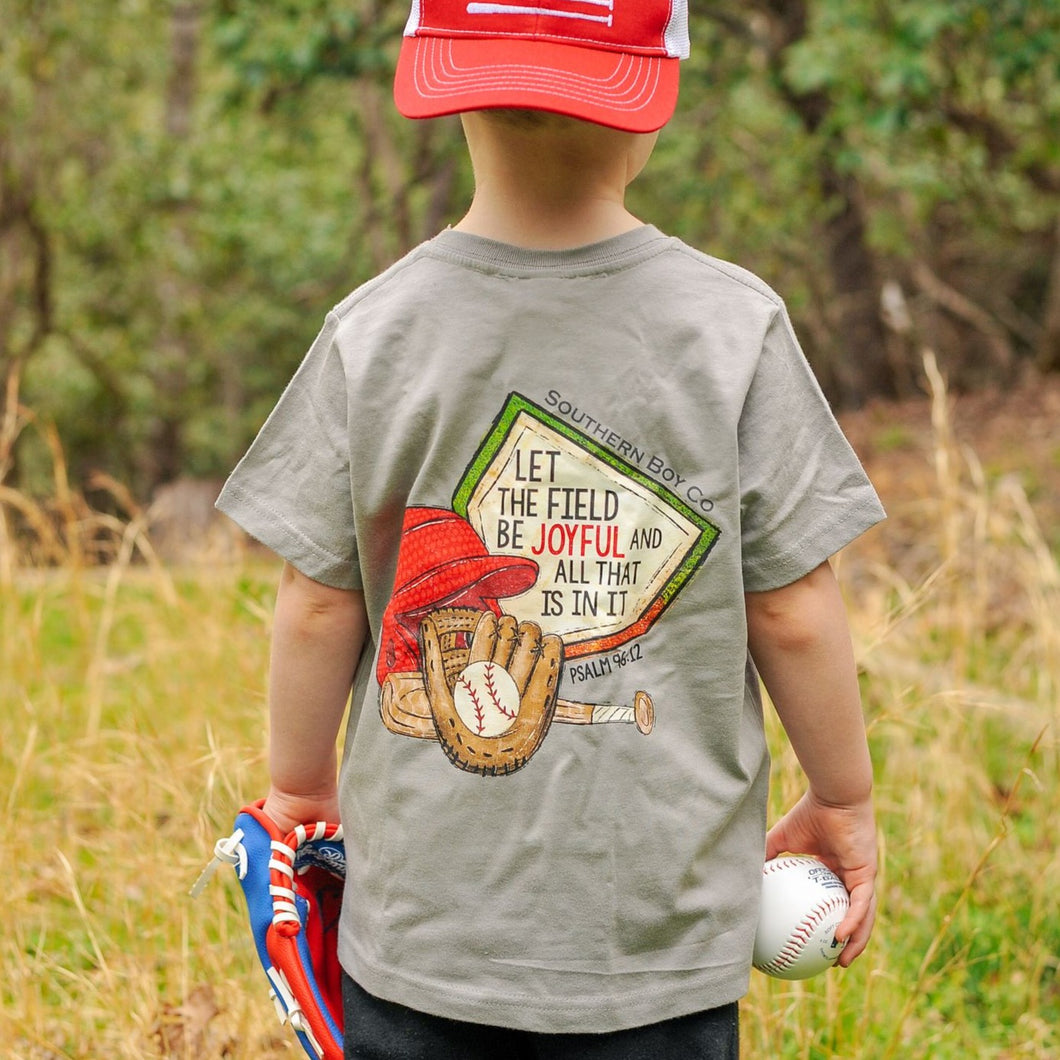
[(537, 225), (550, 188)]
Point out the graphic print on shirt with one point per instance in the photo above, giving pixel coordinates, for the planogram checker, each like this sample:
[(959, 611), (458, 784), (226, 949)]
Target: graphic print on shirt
[(585, 550)]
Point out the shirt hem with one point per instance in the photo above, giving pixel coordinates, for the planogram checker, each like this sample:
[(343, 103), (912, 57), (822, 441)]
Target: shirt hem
[(565, 1013), (809, 553), (274, 532)]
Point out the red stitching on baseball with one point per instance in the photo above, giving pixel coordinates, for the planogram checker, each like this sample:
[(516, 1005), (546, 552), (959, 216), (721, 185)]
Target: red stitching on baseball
[(479, 709), (494, 694), (803, 932)]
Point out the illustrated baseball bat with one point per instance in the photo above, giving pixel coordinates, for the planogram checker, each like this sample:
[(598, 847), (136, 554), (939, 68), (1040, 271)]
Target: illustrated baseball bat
[(407, 711)]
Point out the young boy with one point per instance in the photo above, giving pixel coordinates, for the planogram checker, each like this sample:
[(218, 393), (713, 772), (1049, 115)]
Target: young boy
[(545, 488)]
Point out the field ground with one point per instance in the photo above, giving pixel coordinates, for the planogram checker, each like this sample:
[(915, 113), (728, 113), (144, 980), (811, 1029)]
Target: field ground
[(131, 728), (999, 439)]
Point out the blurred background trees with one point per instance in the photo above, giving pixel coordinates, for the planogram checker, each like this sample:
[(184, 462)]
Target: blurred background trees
[(187, 187)]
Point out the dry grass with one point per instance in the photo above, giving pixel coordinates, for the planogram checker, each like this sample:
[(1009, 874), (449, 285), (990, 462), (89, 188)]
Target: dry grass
[(131, 728), (961, 668)]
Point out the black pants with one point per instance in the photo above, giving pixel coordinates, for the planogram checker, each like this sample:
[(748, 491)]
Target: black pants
[(382, 1030)]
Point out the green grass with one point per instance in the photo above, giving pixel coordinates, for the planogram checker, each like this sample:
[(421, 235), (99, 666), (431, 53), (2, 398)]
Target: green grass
[(122, 758), (132, 727)]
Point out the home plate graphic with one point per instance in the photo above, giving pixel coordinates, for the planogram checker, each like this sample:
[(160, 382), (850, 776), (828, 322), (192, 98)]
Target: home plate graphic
[(613, 546)]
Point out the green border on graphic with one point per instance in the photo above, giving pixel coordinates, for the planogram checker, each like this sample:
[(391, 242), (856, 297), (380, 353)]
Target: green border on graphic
[(495, 440)]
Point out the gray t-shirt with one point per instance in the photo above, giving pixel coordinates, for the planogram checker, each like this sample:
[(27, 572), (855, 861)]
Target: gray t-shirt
[(610, 444)]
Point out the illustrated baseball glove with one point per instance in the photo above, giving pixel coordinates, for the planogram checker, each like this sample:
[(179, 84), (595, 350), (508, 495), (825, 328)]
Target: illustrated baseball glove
[(293, 889), (452, 642)]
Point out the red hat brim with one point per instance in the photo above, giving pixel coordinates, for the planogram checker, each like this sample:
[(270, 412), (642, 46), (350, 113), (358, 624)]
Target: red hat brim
[(438, 76), (466, 582)]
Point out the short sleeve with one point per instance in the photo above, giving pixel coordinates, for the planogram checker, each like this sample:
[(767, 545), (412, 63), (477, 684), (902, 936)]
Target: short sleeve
[(291, 491), (803, 492)]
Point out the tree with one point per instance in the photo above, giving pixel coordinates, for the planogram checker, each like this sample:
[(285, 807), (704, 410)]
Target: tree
[(930, 129), (186, 188)]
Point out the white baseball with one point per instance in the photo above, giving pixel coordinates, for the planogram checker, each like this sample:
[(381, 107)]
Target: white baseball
[(803, 902), (486, 698)]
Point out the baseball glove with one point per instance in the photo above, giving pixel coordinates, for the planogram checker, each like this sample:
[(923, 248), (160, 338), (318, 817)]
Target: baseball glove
[(454, 640), (293, 889)]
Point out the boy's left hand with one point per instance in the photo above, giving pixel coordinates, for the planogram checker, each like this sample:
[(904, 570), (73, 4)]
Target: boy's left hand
[(844, 838)]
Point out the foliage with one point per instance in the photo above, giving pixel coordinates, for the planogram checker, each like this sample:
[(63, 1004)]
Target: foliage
[(133, 728), (929, 124), (186, 188)]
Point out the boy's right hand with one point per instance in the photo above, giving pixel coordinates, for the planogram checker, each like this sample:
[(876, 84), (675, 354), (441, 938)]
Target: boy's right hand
[(287, 809), (844, 838)]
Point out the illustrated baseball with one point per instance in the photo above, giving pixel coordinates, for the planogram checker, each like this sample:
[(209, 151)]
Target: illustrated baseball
[(803, 902), (486, 698)]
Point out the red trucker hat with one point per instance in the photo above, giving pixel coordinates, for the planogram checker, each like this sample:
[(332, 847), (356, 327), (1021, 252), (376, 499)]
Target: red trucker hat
[(614, 62)]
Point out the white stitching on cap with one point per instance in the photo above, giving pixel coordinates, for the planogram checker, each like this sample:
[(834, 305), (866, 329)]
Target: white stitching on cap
[(438, 76)]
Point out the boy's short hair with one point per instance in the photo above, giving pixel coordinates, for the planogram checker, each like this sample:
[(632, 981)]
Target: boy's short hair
[(526, 119), (613, 62)]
